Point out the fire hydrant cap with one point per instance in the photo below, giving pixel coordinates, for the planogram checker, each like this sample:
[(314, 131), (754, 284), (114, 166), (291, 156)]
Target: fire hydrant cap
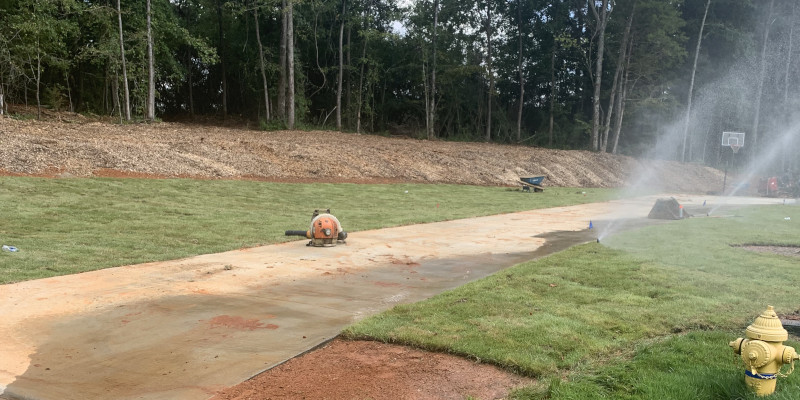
[(767, 327)]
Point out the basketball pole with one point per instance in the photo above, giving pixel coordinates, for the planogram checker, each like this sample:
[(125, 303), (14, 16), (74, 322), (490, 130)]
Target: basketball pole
[(734, 149), (725, 178)]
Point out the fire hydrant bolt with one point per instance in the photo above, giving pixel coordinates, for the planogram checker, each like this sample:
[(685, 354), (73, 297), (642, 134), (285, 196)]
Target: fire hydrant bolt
[(763, 352)]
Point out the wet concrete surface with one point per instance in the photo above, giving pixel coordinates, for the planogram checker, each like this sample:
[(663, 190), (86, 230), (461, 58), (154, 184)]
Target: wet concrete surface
[(185, 329)]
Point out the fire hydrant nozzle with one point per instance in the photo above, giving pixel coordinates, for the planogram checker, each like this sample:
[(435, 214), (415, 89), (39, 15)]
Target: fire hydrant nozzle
[(763, 352)]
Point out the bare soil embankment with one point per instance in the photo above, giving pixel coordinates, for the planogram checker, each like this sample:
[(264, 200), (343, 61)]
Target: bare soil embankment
[(80, 147)]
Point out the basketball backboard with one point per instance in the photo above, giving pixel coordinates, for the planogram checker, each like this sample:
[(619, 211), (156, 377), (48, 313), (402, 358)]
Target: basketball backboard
[(733, 139)]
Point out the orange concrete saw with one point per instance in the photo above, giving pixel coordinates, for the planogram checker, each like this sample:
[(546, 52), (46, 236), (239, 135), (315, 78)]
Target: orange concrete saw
[(326, 231)]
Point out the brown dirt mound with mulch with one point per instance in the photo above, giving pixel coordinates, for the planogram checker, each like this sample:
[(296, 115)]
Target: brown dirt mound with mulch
[(81, 147), (372, 370)]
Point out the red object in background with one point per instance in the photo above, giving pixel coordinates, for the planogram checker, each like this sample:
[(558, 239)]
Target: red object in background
[(768, 186)]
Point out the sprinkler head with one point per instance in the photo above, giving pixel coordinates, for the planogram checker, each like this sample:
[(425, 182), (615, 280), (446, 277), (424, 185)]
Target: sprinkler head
[(598, 240)]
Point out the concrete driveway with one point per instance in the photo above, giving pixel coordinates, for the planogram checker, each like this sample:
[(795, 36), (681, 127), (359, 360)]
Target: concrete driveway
[(184, 329)]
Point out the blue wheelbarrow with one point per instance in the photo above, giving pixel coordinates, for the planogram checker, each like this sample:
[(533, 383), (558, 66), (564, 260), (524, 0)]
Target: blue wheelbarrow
[(532, 183)]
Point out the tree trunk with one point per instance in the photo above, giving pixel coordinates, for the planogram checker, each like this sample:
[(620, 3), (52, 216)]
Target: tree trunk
[(361, 84), (261, 64), (151, 81), (622, 97), (761, 78), (691, 83), (521, 76), (427, 99), (786, 107), (191, 87), (489, 69), (189, 68), (281, 107), (222, 61), (601, 19), (69, 93), (290, 65), (115, 96), (348, 87), (341, 71), (127, 93), (432, 110), (614, 86), (38, 80), (552, 92)]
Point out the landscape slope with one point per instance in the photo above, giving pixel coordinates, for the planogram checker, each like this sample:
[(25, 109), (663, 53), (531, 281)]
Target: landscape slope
[(81, 147)]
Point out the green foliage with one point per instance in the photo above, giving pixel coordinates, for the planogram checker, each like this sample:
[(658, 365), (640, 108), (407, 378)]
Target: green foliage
[(77, 44)]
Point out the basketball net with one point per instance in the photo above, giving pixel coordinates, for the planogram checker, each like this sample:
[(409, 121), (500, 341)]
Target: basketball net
[(735, 148)]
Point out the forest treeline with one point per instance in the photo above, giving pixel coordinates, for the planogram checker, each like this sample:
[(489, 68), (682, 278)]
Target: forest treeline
[(606, 75)]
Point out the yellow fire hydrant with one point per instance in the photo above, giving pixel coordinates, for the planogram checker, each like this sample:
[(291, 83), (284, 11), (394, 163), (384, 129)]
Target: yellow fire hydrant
[(763, 352)]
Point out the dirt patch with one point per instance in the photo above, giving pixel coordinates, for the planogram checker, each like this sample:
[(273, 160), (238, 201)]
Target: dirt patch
[(372, 370), (237, 322), (75, 146), (789, 251)]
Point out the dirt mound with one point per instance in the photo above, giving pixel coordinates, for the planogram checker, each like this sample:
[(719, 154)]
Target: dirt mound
[(82, 147), (372, 370)]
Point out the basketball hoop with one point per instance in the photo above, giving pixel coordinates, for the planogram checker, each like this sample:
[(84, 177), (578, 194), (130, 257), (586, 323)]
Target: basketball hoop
[(733, 139)]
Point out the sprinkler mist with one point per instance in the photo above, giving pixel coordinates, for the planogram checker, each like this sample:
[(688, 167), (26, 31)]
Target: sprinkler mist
[(763, 160), (721, 105)]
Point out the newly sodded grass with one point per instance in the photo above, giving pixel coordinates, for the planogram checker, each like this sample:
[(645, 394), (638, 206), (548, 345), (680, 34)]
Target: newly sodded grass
[(593, 313), (66, 226), (697, 365)]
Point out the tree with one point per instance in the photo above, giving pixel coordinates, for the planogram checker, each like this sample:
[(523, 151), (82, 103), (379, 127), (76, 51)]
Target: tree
[(786, 82), (691, 82), (431, 112), (623, 95), (290, 65), (222, 61), (617, 83), (261, 63), (127, 91), (761, 77), (489, 70), (41, 31), (601, 20), (521, 74), (151, 81), (341, 69), (283, 75)]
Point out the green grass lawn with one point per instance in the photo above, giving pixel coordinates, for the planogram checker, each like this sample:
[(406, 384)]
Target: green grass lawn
[(646, 315), (66, 226)]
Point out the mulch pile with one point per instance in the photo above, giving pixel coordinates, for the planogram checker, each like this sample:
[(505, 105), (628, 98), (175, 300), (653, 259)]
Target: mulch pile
[(81, 147)]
